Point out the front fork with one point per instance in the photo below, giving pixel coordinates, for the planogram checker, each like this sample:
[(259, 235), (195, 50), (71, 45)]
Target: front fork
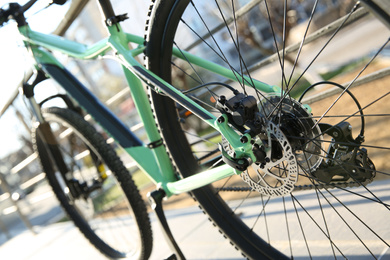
[(49, 139)]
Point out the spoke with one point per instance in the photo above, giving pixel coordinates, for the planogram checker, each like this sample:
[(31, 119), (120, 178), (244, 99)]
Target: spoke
[(186, 73), (349, 116), (322, 211), (287, 227), (369, 191), (190, 64), (318, 54), (303, 40), (276, 44), (265, 217), (194, 70), (241, 12), (242, 201), (351, 83), (326, 224), (236, 43), (284, 38), (225, 183), (215, 42), (359, 82), (70, 154), (261, 213), (345, 119), (346, 223), (357, 217), (203, 138), (300, 225), (315, 222), (362, 196), (224, 59), (361, 12), (204, 41), (242, 63), (340, 143), (208, 154)]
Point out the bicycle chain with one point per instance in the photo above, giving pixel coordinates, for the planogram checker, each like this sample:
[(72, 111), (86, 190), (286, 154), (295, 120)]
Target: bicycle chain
[(306, 187)]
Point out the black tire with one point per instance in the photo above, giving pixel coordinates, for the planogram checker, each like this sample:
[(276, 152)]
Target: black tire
[(113, 217), (228, 211)]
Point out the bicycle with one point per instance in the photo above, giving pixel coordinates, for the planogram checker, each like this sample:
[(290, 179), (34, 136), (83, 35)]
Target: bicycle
[(285, 149)]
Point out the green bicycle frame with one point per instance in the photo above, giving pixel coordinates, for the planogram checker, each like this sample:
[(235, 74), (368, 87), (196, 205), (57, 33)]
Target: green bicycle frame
[(152, 158)]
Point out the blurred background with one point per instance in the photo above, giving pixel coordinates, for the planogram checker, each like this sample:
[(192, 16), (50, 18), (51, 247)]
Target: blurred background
[(26, 200)]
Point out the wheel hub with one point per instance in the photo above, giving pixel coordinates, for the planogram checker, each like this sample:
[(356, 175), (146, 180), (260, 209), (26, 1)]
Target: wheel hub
[(299, 127), (286, 142)]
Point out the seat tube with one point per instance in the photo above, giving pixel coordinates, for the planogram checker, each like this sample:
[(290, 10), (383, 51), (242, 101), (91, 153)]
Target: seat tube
[(106, 9)]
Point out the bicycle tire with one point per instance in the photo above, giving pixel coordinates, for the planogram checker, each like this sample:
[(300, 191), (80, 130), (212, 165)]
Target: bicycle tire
[(162, 34), (117, 204)]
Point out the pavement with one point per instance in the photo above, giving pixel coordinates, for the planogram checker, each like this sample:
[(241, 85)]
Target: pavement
[(196, 236), (198, 239)]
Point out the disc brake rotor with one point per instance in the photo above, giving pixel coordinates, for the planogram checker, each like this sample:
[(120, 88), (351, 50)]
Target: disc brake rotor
[(277, 176), (300, 128), (293, 145)]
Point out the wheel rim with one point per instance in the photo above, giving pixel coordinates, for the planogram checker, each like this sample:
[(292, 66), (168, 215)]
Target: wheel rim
[(105, 209), (321, 216)]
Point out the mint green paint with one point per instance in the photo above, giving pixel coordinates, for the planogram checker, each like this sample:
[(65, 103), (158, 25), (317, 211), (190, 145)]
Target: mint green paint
[(135, 39), (57, 43), (164, 172), (41, 56), (155, 162), (142, 105), (137, 51), (199, 180), (276, 89), (242, 150), (143, 156), (308, 108), (128, 61), (218, 69)]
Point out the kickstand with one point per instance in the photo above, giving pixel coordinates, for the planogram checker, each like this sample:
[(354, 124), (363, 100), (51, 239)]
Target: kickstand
[(155, 199)]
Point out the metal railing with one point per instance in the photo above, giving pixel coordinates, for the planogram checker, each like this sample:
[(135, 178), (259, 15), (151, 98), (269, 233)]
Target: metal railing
[(74, 10)]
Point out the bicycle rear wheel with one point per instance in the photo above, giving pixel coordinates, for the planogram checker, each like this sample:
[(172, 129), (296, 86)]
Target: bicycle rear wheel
[(336, 205), (101, 197)]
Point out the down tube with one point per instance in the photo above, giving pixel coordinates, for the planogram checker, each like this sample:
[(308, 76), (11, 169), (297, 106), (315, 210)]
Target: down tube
[(140, 153)]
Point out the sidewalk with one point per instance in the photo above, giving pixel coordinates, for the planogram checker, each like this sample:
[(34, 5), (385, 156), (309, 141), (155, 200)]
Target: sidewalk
[(196, 236)]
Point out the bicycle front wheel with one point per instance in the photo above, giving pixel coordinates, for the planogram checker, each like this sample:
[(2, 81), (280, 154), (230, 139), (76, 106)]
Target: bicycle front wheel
[(98, 194), (317, 187)]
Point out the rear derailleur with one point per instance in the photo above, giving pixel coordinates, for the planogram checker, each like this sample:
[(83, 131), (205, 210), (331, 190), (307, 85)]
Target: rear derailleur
[(345, 161)]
